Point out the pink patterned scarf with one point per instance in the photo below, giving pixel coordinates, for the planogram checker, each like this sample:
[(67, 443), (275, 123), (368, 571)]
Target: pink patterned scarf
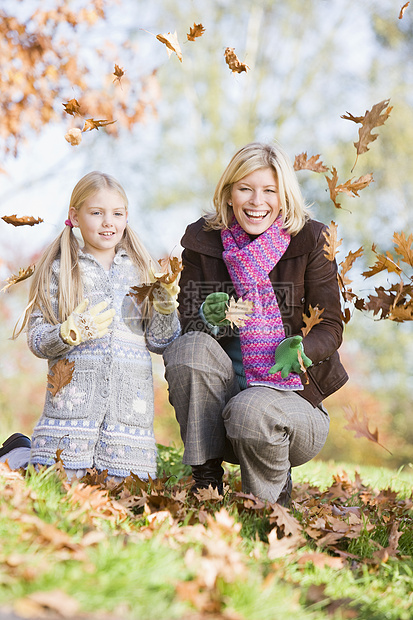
[(249, 263)]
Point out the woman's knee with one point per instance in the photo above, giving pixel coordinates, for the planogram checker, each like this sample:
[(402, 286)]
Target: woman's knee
[(197, 350)]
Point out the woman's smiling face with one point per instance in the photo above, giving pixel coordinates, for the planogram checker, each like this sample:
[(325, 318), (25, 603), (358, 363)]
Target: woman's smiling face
[(256, 201)]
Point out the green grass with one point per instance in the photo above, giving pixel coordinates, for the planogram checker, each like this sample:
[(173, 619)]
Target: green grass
[(139, 570)]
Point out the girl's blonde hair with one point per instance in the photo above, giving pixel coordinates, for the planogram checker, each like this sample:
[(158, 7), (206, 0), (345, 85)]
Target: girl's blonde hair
[(252, 157), (66, 247)]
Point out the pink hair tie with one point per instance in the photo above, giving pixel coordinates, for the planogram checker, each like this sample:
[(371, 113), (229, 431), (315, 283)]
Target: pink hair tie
[(69, 223)]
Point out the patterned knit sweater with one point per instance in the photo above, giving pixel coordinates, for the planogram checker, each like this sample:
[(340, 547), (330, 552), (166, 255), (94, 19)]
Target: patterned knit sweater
[(104, 417)]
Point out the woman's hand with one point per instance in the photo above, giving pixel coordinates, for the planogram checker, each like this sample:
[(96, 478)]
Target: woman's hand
[(84, 325), (214, 308), (286, 357)]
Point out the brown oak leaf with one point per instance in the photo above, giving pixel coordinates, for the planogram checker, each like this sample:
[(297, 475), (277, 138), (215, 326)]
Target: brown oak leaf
[(197, 30), (172, 269), (375, 117), (403, 247), (314, 318), (22, 275), (233, 61), (118, 73), (332, 242), (347, 264), (25, 220), (350, 187), (90, 124), (72, 107), (302, 163), (171, 42), (383, 263), (360, 425), (62, 375)]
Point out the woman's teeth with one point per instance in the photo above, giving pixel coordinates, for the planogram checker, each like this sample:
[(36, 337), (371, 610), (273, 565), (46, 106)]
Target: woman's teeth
[(258, 215)]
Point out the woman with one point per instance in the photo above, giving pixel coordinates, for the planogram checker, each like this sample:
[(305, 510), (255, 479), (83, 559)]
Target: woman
[(231, 401)]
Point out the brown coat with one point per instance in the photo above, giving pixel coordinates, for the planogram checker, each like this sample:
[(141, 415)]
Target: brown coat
[(303, 277)]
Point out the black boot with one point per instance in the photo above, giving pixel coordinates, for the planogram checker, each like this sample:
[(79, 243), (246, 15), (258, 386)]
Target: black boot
[(284, 498), (210, 473)]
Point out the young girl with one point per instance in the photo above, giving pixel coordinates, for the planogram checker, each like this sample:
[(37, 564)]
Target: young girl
[(79, 311)]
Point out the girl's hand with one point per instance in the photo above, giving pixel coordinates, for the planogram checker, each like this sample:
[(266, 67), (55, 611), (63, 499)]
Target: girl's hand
[(286, 357), (215, 307), (84, 325), (164, 298)]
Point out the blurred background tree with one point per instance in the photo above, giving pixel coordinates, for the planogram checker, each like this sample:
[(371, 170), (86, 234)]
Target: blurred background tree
[(177, 126)]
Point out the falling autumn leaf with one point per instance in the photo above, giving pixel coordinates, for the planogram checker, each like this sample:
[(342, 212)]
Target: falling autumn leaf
[(350, 187), (25, 220), (72, 107), (313, 319), (383, 263), (60, 375), (347, 264), (233, 61), (360, 425), (22, 275), (171, 42), (237, 311), (302, 163), (118, 73), (74, 136), (402, 10), (332, 242), (90, 124), (197, 30), (375, 117), (403, 247)]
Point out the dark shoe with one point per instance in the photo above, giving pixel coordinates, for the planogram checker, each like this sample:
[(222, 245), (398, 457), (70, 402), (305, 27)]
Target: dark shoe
[(210, 473), (284, 498), (17, 440)]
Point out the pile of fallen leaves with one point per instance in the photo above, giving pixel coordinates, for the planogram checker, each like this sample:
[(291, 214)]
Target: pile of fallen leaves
[(321, 527)]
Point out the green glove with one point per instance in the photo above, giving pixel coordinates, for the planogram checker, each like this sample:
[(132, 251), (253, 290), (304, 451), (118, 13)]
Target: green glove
[(286, 357), (214, 308)]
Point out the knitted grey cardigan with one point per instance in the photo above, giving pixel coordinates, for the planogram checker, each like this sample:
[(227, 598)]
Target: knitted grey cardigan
[(104, 417)]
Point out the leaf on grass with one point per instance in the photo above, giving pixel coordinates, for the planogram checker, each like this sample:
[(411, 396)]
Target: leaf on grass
[(314, 318), (171, 42), (62, 375), (360, 425), (74, 136), (375, 117), (402, 10), (332, 243), (383, 263), (350, 187), (72, 107), (118, 73), (197, 30), (403, 247), (384, 553), (347, 264), (25, 220), (90, 124), (321, 560), (237, 311), (22, 275), (302, 163), (233, 61)]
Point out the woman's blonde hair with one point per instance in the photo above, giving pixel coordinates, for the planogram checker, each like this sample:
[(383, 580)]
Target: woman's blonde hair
[(252, 157), (66, 246)]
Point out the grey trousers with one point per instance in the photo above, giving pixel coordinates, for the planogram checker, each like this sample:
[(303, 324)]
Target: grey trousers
[(265, 430)]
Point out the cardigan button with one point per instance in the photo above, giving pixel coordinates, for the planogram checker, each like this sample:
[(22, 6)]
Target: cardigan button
[(302, 300), (105, 393)]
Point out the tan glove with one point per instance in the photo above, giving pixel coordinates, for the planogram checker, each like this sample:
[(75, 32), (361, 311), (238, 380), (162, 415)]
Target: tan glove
[(81, 326), (164, 298)]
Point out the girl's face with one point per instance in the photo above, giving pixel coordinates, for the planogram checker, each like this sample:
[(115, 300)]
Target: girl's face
[(256, 201), (102, 222)]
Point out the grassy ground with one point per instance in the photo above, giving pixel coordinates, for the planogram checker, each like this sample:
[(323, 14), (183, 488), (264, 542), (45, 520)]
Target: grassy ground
[(145, 551)]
